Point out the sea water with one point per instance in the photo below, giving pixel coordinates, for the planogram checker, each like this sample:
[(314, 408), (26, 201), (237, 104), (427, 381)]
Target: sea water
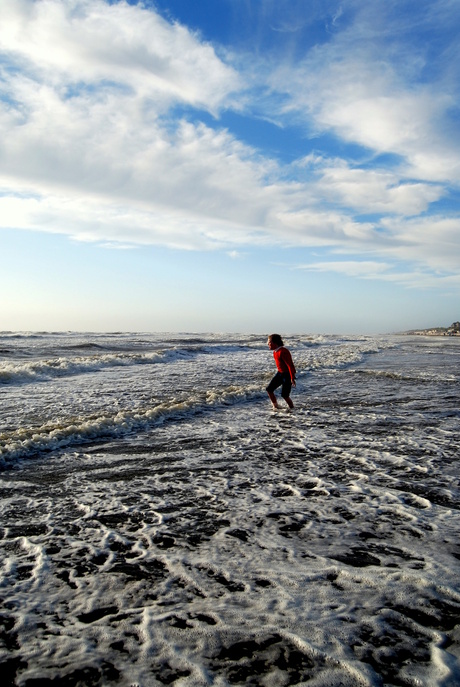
[(161, 524)]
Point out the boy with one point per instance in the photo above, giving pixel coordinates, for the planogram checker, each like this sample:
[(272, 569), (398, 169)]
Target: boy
[(285, 377)]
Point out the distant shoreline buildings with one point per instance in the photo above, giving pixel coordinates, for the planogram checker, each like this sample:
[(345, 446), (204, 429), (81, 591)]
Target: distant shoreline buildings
[(453, 330)]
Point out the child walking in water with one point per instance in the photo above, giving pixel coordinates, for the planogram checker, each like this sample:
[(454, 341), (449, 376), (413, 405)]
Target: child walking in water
[(285, 377)]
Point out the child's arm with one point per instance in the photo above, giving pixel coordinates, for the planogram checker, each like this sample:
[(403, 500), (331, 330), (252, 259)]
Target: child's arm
[(287, 357)]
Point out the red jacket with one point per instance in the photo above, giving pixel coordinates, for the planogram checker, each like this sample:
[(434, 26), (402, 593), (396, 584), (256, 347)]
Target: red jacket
[(283, 360)]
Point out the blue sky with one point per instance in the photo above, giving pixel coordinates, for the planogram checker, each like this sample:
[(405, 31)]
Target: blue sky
[(229, 165)]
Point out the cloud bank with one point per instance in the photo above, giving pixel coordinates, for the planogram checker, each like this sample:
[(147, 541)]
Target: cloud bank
[(110, 133)]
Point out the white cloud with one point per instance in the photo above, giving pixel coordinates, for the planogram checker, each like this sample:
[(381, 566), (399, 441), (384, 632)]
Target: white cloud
[(370, 89), (370, 190), (421, 252), (432, 241), (365, 269), (85, 116), (67, 42), (373, 270), (91, 146)]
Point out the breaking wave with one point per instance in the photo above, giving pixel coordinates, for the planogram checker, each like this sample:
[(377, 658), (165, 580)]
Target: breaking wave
[(63, 366), (74, 431)]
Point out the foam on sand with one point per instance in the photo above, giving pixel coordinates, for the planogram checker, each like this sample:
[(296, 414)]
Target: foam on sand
[(220, 543)]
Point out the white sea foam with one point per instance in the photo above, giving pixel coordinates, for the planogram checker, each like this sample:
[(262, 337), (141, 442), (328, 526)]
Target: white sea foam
[(51, 435), (167, 527), (43, 370)]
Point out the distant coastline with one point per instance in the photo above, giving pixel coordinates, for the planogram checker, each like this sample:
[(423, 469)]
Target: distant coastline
[(453, 330)]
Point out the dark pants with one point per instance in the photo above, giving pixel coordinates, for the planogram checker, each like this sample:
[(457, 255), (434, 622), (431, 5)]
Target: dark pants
[(281, 379)]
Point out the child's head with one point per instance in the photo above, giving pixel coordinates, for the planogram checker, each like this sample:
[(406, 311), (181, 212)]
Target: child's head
[(276, 340)]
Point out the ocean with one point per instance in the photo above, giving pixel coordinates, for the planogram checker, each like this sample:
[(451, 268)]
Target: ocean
[(161, 524)]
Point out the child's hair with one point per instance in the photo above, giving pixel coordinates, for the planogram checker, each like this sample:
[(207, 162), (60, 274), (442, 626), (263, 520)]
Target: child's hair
[(276, 339)]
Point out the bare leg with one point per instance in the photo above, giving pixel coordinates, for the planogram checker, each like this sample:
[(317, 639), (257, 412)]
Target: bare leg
[(273, 399), (289, 401)]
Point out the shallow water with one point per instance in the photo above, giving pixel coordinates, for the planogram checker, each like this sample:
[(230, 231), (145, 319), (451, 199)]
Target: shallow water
[(162, 525)]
